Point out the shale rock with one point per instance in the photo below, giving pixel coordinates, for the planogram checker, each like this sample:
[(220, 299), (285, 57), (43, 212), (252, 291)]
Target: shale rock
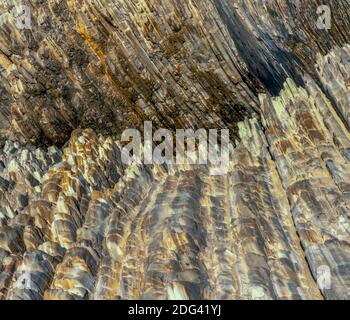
[(78, 223), (110, 65)]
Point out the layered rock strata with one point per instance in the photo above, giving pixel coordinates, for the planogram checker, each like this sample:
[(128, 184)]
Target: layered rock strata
[(110, 65), (78, 223), (87, 226)]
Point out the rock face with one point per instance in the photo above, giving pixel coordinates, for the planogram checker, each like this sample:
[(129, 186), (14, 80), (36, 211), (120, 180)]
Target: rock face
[(110, 65), (78, 223)]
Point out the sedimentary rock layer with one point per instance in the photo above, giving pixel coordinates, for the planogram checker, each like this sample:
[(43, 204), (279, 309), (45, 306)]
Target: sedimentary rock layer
[(78, 223), (87, 226), (110, 65)]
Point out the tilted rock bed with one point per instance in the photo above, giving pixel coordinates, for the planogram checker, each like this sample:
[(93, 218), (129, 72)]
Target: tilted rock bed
[(84, 225)]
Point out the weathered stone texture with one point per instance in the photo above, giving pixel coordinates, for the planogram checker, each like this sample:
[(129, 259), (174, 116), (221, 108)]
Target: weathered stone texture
[(80, 224)]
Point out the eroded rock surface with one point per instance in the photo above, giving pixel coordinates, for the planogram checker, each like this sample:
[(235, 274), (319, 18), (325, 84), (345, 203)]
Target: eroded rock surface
[(110, 65), (77, 223)]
